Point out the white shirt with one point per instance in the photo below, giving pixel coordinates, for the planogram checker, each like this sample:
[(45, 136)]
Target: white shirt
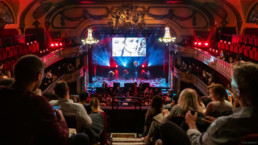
[(68, 107), (227, 130)]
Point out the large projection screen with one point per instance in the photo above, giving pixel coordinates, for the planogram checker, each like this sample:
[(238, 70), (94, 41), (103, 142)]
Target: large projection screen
[(128, 46)]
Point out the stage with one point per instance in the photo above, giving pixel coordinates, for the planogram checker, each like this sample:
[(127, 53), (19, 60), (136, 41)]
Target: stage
[(157, 82)]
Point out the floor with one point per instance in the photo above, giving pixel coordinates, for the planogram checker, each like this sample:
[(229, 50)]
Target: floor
[(157, 82)]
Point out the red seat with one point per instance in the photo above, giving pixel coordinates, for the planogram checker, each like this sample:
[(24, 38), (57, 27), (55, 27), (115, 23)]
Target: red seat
[(255, 54), (251, 41), (251, 53), (241, 49), (256, 42), (249, 139), (231, 47), (246, 51), (227, 46), (236, 47)]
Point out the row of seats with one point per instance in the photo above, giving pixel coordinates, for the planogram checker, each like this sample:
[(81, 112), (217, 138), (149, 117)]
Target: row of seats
[(245, 39), (18, 50), (237, 48)]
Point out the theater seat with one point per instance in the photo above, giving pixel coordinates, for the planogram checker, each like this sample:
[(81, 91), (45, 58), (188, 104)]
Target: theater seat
[(255, 54), (71, 122), (177, 119), (249, 139), (246, 51), (251, 53)]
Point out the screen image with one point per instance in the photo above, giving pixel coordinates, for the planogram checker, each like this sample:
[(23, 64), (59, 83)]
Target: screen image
[(128, 46)]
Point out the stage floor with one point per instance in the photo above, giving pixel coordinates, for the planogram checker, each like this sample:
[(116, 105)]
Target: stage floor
[(157, 82)]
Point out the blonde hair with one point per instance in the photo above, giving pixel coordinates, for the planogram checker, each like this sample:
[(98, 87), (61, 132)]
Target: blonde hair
[(94, 104), (188, 100)]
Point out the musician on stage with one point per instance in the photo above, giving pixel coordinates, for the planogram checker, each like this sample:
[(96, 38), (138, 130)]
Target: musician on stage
[(126, 74), (111, 75)]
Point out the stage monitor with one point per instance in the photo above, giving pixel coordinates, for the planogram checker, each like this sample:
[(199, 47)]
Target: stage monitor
[(128, 47)]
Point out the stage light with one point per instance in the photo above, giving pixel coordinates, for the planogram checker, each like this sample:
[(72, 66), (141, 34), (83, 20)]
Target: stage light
[(199, 43), (195, 43), (143, 66), (56, 44), (206, 44), (124, 64), (116, 66), (52, 45), (60, 44)]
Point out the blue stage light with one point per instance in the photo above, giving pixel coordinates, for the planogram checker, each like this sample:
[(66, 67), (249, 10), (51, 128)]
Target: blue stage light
[(100, 56)]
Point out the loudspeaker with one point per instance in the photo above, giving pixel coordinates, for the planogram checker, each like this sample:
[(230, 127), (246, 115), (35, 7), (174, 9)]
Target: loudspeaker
[(127, 85), (115, 85), (145, 85)]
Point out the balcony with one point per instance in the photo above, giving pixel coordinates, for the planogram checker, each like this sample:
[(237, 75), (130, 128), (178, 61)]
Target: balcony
[(217, 64), (69, 78), (192, 79), (59, 54)]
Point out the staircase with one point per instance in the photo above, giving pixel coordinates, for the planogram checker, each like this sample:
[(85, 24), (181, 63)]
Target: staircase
[(126, 139)]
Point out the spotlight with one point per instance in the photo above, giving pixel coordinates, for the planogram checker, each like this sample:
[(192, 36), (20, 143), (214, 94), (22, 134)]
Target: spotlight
[(143, 66), (116, 66), (124, 64), (52, 45), (195, 43), (60, 44), (56, 44), (199, 43), (206, 44)]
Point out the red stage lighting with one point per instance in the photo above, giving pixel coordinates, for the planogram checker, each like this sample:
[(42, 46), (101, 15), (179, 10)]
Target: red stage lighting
[(56, 44), (116, 66), (143, 66), (60, 44), (52, 45), (206, 44), (195, 43), (199, 43)]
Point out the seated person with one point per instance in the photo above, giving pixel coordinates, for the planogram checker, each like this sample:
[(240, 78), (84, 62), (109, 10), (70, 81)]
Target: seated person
[(229, 129), (219, 105), (68, 107), (188, 101), (83, 100), (28, 118), (156, 107), (98, 128)]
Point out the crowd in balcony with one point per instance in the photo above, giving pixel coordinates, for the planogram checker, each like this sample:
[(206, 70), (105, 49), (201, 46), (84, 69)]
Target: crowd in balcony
[(206, 75), (235, 48)]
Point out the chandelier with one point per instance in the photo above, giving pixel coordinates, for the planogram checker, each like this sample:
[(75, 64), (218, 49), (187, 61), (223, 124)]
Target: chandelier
[(167, 37), (89, 40)]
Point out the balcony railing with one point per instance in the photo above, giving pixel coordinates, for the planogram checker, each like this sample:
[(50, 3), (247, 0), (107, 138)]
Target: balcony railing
[(74, 76), (52, 57), (69, 78), (217, 64), (57, 55), (190, 78)]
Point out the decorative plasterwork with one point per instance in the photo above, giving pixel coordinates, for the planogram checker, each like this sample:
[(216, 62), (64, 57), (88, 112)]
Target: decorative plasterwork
[(6, 15), (253, 14)]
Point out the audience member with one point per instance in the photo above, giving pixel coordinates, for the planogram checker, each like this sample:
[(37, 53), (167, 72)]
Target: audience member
[(29, 118), (219, 105), (156, 107), (83, 100), (68, 107), (188, 101), (230, 129)]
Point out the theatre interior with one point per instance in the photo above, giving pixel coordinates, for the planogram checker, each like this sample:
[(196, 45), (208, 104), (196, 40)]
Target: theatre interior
[(132, 62)]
